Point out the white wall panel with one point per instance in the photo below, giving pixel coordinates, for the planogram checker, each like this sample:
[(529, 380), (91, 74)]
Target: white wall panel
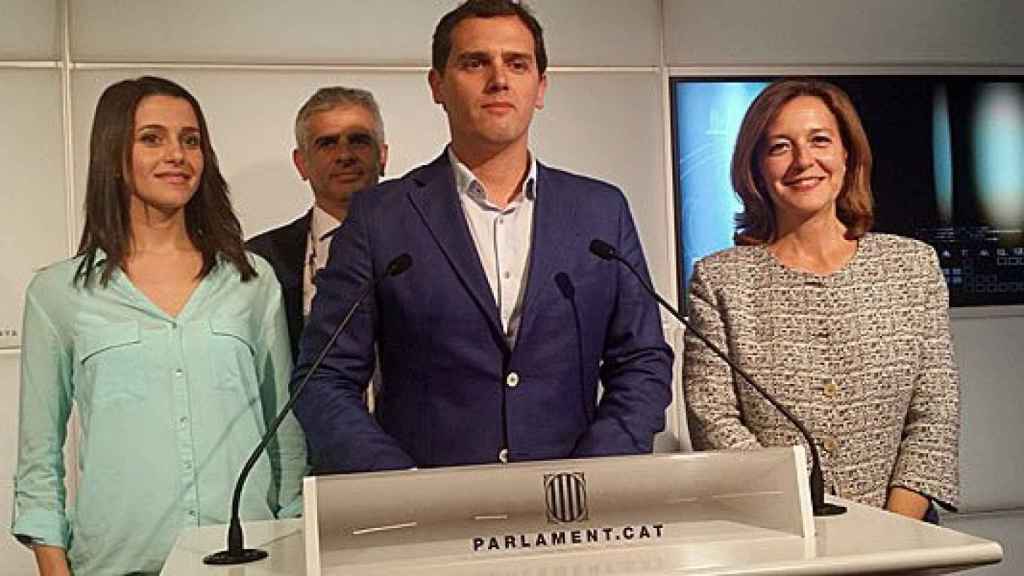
[(608, 126), (33, 224), (15, 558), (308, 31), (30, 29), (992, 392), (579, 32), (601, 32), (705, 32)]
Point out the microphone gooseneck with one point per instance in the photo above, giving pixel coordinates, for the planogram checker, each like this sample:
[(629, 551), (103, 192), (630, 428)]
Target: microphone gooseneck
[(236, 552), (606, 251)]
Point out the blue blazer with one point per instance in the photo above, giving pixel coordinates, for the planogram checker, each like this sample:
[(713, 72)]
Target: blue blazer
[(446, 397)]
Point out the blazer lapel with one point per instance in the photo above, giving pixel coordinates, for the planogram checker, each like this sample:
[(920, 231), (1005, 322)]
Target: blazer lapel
[(293, 249), (436, 200), (553, 229), (291, 269)]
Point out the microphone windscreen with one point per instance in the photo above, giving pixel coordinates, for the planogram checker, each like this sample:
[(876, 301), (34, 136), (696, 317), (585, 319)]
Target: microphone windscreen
[(399, 264), (602, 249)]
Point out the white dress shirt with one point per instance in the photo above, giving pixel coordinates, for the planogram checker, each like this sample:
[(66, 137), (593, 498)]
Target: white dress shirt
[(321, 228), (502, 237)]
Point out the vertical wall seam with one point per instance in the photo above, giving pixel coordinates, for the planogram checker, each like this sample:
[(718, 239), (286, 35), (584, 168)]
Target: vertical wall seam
[(71, 220), (69, 173), (677, 422), (666, 153)]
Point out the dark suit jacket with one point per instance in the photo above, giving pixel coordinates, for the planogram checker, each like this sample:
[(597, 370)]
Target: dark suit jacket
[(447, 397), (285, 249)]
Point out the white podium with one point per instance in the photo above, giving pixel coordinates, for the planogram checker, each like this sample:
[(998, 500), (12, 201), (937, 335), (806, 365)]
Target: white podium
[(724, 513)]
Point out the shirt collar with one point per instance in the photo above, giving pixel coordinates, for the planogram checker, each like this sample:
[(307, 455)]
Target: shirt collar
[(467, 184), (322, 224)]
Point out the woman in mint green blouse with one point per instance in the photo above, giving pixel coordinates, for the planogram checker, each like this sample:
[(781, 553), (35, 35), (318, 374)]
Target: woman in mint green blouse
[(170, 341)]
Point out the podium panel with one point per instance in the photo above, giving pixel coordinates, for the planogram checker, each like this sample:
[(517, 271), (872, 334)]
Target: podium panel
[(664, 510)]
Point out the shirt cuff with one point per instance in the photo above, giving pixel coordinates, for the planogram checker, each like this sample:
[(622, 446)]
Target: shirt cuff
[(930, 475), (293, 510), (45, 527)]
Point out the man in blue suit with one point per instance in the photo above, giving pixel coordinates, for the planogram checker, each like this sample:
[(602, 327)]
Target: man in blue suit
[(493, 344)]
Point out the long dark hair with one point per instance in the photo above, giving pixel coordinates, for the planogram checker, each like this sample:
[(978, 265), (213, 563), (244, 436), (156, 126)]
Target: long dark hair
[(209, 220)]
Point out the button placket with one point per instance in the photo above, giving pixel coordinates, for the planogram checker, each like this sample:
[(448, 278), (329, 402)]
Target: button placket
[(183, 416), (505, 255)]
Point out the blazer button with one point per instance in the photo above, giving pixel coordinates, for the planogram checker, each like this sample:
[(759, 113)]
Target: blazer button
[(512, 380), (831, 388), (831, 446)]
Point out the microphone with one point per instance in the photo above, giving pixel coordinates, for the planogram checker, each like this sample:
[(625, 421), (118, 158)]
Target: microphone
[(236, 552), (606, 251)]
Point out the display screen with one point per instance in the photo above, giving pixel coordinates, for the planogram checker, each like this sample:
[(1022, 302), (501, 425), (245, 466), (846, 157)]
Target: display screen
[(948, 170)]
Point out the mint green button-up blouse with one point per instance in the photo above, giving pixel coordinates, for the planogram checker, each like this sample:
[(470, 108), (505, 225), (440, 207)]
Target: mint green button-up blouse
[(169, 409)]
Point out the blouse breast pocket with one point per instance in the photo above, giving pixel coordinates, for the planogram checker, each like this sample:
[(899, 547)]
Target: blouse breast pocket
[(233, 355), (110, 360)]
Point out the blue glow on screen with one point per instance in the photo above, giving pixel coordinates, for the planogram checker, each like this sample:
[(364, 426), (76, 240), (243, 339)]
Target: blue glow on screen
[(708, 117), (942, 151)]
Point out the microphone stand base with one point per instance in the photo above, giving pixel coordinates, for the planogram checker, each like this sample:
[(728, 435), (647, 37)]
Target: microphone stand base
[(827, 509), (227, 558)]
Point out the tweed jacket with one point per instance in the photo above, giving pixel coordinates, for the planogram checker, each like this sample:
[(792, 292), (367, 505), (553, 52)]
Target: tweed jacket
[(863, 356)]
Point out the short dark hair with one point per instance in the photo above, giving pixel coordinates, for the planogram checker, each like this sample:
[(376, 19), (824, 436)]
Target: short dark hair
[(854, 206), (442, 45), (211, 223)]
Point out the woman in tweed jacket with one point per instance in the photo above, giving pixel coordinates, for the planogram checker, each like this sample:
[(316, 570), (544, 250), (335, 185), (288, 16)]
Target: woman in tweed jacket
[(850, 330)]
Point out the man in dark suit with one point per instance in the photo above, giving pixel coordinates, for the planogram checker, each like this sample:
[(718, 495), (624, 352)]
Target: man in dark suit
[(340, 149), (493, 343)]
